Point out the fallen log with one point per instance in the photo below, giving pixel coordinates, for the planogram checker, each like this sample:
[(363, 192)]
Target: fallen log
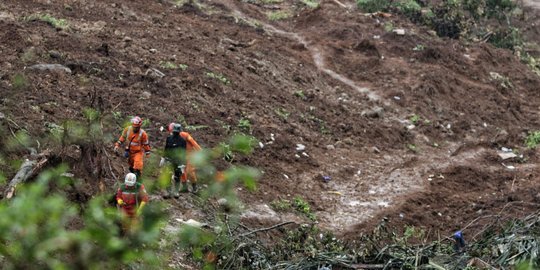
[(22, 175), (29, 168)]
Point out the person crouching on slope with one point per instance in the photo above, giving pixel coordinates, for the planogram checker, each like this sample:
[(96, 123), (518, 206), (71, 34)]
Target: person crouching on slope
[(131, 198)]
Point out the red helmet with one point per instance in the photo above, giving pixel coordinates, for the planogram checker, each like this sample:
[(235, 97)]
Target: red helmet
[(170, 127), (136, 121)]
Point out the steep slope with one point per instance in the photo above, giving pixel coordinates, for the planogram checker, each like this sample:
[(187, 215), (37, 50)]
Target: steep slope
[(378, 112)]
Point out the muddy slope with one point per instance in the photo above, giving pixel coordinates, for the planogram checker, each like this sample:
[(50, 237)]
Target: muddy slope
[(329, 78)]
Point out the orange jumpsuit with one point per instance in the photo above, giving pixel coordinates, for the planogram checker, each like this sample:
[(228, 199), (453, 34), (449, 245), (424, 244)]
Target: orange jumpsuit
[(191, 145), (137, 145)]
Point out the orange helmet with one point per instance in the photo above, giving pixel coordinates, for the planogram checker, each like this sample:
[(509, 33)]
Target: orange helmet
[(136, 121)]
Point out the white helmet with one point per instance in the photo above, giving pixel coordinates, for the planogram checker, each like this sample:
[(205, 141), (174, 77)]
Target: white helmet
[(130, 180)]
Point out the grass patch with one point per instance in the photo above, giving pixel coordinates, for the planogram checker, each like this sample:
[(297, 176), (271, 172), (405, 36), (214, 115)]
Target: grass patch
[(219, 77), (172, 65), (61, 24), (278, 15), (19, 81)]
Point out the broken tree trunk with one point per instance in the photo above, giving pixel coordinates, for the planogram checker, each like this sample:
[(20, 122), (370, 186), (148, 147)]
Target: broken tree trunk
[(22, 175), (29, 168)]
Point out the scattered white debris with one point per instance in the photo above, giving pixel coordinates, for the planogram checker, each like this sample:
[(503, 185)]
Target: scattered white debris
[(376, 37), (272, 137), (296, 156), (510, 167), (261, 145), (372, 192), (305, 154), (399, 32), (449, 126), (153, 50), (505, 155), (440, 214), (286, 176), (411, 126), (401, 215), (330, 147), (383, 204), (506, 150), (485, 125), (397, 98), (300, 147)]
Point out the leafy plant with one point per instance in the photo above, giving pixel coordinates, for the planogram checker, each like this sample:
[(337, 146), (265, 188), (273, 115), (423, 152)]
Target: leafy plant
[(415, 119), (533, 139), (278, 15), (244, 125), (303, 207)]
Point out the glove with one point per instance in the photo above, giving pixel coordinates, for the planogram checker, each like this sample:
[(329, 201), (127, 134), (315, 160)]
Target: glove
[(162, 162), (120, 202), (139, 210), (116, 147)]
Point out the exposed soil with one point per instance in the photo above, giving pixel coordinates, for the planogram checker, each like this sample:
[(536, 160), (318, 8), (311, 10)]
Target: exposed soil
[(330, 78)]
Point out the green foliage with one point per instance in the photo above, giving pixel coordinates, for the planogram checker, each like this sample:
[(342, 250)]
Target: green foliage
[(408, 7), (34, 231), (415, 119), (60, 24), (300, 94), (533, 139), (373, 5), (281, 205), (311, 3), (303, 207), (219, 77), (172, 65), (244, 125), (419, 47), (278, 15), (507, 38), (19, 81), (282, 113), (412, 147)]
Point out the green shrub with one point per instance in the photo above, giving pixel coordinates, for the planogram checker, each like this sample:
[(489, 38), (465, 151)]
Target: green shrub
[(373, 5), (533, 139)]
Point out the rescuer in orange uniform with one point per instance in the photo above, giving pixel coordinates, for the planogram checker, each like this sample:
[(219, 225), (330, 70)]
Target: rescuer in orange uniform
[(136, 146), (191, 146)]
